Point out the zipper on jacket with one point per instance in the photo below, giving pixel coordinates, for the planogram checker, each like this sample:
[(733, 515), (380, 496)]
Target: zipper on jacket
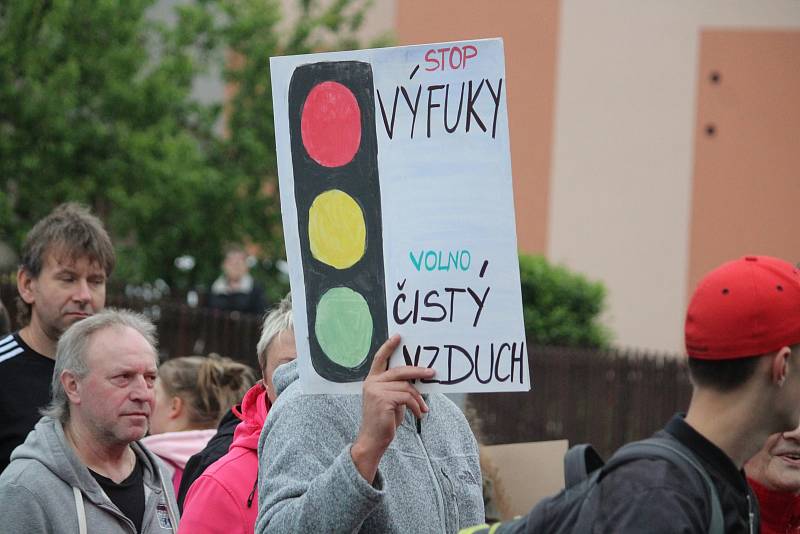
[(419, 426), (252, 494), (436, 486), (452, 493)]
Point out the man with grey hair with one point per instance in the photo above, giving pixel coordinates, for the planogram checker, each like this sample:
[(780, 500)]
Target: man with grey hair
[(215, 489), (81, 468)]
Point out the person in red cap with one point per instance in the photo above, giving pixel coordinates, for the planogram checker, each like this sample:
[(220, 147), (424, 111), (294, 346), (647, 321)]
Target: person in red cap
[(743, 340), (774, 474)]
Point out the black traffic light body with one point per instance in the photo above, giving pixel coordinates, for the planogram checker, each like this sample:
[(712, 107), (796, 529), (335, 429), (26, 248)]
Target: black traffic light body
[(358, 178)]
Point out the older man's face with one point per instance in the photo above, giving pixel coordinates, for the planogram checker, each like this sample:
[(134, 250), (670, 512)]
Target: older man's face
[(777, 464), (117, 396)]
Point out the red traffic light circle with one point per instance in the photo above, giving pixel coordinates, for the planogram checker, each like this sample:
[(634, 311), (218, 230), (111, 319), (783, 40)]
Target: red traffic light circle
[(330, 124)]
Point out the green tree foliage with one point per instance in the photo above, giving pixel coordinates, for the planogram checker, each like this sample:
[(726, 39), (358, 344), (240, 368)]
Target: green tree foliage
[(96, 106), (253, 31), (561, 307)]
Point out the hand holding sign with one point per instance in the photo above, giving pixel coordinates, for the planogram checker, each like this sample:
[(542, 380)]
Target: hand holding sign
[(386, 394)]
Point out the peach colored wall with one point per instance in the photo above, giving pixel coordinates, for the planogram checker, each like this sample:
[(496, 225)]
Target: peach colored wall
[(623, 147), (529, 31), (746, 188)]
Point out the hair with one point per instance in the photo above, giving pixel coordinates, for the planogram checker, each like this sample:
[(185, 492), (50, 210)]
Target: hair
[(233, 248), (72, 230), (5, 320), (73, 346), (723, 376), (209, 385), (276, 321)]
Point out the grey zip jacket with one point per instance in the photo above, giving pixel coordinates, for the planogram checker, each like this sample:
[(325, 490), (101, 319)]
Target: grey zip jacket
[(428, 480), (46, 488)]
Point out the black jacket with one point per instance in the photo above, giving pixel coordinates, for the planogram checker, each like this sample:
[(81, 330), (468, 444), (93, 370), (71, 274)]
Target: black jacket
[(654, 496), (25, 377), (213, 451)]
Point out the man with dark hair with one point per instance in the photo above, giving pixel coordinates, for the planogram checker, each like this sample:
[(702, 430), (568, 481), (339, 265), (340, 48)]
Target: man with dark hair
[(66, 259), (742, 333), (743, 340)]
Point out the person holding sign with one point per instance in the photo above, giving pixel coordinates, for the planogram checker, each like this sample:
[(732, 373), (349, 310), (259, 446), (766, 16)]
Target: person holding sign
[(389, 460)]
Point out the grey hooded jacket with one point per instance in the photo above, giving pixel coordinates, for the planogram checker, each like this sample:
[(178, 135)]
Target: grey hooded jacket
[(46, 488), (428, 480)]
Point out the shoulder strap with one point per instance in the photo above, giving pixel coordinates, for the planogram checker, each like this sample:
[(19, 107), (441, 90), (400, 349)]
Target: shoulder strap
[(579, 462), (675, 452)]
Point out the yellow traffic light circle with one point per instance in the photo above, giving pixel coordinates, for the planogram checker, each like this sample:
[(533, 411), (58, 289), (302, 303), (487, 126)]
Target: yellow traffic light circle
[(336, 230)]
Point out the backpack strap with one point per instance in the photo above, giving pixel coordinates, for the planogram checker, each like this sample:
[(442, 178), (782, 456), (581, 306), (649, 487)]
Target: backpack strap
[(579, 462), (678, 454)]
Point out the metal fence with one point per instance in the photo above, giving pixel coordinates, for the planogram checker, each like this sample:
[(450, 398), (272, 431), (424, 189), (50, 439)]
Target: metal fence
[(606, 398), (603, 397), (182, 330)]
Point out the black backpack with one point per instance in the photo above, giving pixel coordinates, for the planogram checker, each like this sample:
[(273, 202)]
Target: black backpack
[(573, 510)]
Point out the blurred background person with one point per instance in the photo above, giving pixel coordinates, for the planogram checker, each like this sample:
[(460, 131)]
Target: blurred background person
[(774, 474), (236, 289), (192, 394), (224, 499)]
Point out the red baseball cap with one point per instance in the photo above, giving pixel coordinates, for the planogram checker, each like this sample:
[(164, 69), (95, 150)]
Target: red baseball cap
[(745, 307)]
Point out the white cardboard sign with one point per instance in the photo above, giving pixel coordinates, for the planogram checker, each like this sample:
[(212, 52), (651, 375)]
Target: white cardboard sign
[(398, 213)]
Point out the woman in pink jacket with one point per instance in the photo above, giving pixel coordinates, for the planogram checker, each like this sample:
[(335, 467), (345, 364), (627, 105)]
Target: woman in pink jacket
[(224, 499)]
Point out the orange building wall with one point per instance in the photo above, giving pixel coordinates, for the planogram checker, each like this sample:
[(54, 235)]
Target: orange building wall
[(746, 186), (529, 31)]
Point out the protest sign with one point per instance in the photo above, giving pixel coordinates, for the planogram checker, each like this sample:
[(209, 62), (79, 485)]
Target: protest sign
[(398, 213)]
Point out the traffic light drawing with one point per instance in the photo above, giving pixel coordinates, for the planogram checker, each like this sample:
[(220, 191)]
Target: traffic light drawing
[(337, 192)]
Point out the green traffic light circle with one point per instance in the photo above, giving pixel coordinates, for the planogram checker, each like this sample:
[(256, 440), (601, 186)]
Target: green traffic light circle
[(344, 326)]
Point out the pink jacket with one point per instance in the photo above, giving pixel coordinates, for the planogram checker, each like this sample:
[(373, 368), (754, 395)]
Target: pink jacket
[(175, 448), (224, 499)]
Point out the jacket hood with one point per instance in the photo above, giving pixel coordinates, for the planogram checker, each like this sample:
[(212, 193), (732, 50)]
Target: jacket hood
[(47, 445), (178, 447), (284, 375), (253, 412)]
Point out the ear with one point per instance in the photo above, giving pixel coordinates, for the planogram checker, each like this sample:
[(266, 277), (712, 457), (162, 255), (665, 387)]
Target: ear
[(780, 366), (71, 387), (175, 407), (25, 285)]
